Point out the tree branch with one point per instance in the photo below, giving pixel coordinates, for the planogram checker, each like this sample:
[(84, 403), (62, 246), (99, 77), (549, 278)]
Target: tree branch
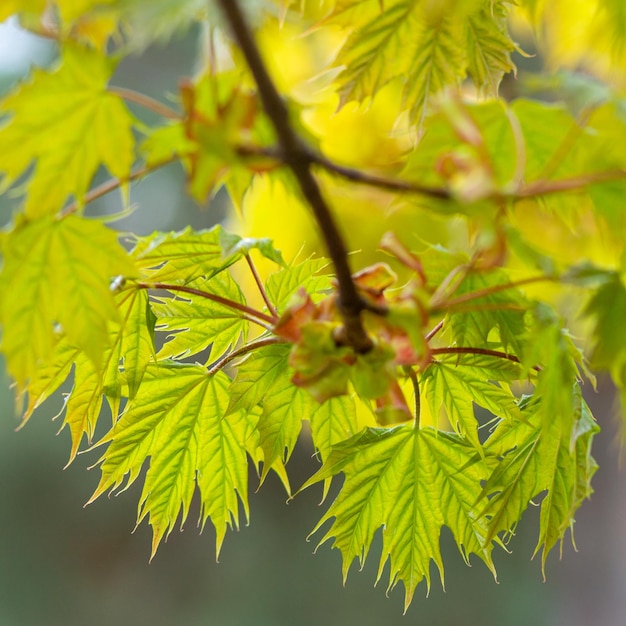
[(114, 183), (297, 157)]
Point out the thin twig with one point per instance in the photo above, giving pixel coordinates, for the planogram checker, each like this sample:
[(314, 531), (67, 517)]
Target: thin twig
[(259, 283), (298, 158), (434, 331), (231, 304), (114, 183), (418, 397), (249, 347), (145, 101)]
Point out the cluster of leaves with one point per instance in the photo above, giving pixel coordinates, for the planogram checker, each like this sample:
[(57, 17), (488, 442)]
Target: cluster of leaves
[(467, 404)]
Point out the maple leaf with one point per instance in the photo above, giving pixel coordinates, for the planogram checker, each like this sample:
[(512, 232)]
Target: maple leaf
[(187, 255), (457, 388), (282, 285), (58, 267), (264, 379), (67, 122), (177, 419), (194, 323), (412, 483), (537, 458), (429, 45)]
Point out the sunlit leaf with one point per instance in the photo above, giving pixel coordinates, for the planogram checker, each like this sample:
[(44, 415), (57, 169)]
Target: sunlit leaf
[(177, 420), (68, 124), (63, 266), (412, 483)]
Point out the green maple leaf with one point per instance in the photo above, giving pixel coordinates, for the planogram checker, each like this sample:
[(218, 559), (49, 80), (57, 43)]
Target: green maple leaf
[(264, 379), (332, 422), (58, 267), (188, 254), (412, 483), (178, 421), (504, 311), (537, 458), (428, 45), (608, 309), (457, 388), (489, 47), (284, 283), (195, 323), (66, 122)]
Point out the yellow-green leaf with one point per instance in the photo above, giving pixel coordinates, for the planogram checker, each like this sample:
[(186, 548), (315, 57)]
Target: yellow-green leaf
[(54, 269), (412, 483), (177, 420), (67, 124)]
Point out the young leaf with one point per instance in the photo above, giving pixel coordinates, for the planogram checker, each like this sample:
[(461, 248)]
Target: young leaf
[(194, 323), (264, 369), (58, 267), (177, 419), (284, 283), (457, 388), (68, 123), (412, 483), (535, 459), (429, 45)]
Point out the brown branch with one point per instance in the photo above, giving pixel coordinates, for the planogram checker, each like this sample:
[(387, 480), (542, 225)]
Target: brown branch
[(484, 351), (249, 347), (114, 183), (231, 304), (434, 331), (145, 101), (380, 182), (297, 157)]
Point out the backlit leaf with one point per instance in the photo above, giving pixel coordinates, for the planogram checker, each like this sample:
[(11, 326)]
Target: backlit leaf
[(64, 266), (177, 420), (412, 483), (195, 323), (66, 122)]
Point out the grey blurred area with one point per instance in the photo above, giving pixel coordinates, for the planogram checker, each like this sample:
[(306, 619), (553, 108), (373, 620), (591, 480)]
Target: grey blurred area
[(65, 565)]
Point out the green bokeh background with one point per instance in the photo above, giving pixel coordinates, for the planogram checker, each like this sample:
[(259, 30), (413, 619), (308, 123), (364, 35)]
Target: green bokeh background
[(62, 564)]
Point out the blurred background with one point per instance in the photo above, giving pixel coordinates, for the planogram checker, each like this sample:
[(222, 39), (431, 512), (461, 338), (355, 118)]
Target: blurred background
[(62, 564)]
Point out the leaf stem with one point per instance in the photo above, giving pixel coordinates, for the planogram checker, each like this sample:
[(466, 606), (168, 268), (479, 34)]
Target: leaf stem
[(434, 331), (485, 351), (546, 187), (145, 101), (249, 347), (257, 279), (487, 291), (418, 397), (231, 304), (297, 157)]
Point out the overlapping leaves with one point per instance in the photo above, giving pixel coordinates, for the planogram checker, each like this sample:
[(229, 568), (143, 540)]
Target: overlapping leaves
[(429, 45)]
